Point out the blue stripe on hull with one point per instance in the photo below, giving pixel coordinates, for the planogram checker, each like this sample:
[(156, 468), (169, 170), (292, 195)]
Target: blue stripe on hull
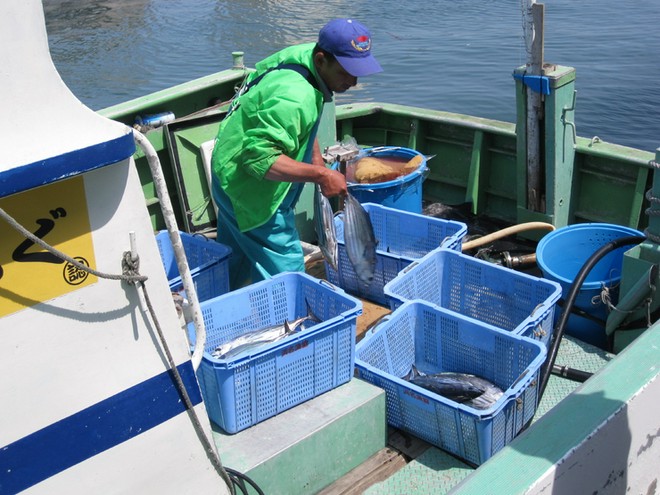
[(59, 167), (91, 431)]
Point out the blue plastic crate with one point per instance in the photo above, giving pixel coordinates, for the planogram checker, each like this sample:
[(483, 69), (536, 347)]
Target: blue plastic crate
[(490, 293), (402, 238), (438, 340), (242, 391), (208, 261)]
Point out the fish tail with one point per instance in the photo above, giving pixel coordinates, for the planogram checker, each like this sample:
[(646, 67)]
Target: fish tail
[(413, 373), (310, 313)]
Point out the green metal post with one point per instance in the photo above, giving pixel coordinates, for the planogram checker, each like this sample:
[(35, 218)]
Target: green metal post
[(638, 261), (558, 139)]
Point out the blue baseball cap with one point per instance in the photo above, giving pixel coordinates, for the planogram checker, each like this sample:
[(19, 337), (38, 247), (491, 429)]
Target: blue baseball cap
[(350, 43)]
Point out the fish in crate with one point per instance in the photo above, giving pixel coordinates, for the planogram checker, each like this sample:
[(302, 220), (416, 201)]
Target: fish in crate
[(462, 385), (273, 345)]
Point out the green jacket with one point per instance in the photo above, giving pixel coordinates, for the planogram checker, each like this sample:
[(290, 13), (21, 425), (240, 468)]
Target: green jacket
[(275, 117)]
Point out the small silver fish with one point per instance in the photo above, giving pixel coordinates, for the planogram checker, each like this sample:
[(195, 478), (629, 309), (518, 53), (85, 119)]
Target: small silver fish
[(256, 338), (471, 390), (324, 225), (360, 240)]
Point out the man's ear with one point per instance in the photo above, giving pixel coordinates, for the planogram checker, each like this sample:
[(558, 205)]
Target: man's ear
[(319, 59)]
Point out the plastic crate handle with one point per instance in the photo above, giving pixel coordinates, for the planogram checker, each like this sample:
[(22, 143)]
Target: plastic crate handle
[(410, 267), (522, 375), (330, 285), (375, 324)]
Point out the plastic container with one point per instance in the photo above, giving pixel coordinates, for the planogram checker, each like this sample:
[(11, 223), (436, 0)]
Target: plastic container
[(402, 238), (437, 340), (499, 296), (251, 387), (208, 261), (403, 193), (561, 254)]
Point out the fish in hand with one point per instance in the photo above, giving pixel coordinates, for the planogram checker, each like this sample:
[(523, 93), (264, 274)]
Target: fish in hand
[(324, 225), (360, 240), (257, 338)]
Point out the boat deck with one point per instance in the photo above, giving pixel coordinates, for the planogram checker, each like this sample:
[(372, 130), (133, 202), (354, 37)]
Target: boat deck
[(331, 426), (435, 471)]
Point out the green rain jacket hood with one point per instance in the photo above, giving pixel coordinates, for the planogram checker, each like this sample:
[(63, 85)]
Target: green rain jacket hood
[(275, 117)]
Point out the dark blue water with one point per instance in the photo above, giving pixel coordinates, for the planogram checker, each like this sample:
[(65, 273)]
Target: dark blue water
[(452, 55)]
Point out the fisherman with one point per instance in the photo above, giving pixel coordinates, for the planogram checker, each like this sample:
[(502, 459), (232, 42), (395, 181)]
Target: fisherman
[(266, 148)]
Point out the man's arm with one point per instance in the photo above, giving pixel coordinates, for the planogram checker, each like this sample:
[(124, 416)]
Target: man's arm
[(285, 169)]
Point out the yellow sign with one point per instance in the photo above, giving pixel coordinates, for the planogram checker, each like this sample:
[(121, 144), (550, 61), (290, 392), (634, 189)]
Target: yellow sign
[(29, 274)]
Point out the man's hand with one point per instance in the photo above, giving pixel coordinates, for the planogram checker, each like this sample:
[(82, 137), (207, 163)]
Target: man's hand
[(285, 169), (333, 183)]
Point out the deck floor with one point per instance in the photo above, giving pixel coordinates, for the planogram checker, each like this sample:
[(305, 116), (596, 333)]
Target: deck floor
[(436, 472), (423, 468)]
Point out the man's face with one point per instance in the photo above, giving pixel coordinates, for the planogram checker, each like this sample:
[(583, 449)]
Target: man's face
[(334, 75)]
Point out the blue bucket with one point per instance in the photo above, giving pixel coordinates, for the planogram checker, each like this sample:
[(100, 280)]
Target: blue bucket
[(561, 254), (403, 193)]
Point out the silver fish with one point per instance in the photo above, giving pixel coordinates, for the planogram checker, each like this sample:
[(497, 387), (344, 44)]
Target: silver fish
[(360, 240), (256, 338), (471, 390), (324, 224)]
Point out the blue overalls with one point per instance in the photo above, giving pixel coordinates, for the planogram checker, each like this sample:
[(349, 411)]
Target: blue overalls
[(271, 248)]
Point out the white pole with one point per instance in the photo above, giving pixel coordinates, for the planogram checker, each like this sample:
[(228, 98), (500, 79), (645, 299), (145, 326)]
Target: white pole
[(533, 22)]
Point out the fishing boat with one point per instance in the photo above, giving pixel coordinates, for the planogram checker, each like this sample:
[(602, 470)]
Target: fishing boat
[(100, 391)]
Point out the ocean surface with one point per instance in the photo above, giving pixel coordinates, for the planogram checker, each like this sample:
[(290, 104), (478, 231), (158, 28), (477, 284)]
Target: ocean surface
[(452, 55)]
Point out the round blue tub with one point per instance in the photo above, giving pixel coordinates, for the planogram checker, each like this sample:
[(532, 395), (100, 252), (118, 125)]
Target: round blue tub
[(403, 193), (561, 254)]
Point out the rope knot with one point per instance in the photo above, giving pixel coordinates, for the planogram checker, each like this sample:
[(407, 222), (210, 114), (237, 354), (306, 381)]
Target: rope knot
[(130, 267)]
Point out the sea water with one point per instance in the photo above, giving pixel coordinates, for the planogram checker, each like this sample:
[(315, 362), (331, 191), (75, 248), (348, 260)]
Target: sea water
[(451, 55)]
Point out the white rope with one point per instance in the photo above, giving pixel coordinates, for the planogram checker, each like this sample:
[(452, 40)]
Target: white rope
[(177, 245)]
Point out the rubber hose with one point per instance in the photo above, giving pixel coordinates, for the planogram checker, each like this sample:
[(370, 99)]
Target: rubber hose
[(571, 373), (514, 229), (570, 301)]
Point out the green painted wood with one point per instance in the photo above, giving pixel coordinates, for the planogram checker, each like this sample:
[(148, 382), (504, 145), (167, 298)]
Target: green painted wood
[(609, 184), (559, 143), (474, 190), (308, 447), (414, 134), (654, 221), (514, 469), (636, 263), (558, 140), (641, 186), (607, 179), (182, 99), (185, 157)]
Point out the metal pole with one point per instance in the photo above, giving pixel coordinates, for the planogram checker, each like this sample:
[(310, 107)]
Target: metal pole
[(533, 20)]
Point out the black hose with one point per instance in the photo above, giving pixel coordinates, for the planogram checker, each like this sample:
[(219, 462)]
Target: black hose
[(571, 373), (238, 479), (570, 300)]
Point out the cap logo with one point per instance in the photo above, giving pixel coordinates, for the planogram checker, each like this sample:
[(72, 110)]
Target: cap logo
[(361, 43)]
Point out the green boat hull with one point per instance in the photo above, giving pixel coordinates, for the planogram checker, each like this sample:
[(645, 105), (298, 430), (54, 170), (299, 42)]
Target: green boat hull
[(480, 162)]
